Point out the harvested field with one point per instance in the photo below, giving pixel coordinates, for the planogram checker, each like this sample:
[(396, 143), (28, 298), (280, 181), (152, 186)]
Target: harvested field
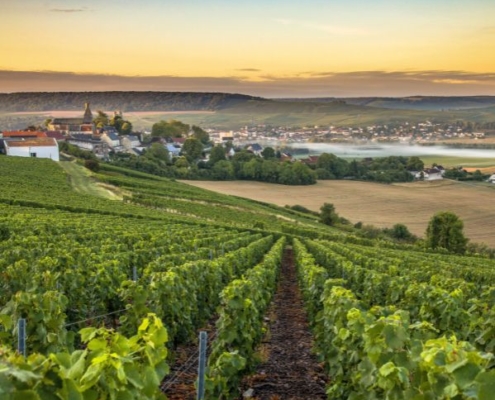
[(412, 204)]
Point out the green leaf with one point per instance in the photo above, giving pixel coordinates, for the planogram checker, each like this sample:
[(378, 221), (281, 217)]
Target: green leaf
[(91, 376), (144, 325), (387, 369), (87, 334), (393, 338), (465, 375), (344, 333), (52, 337), (451, 390), (25, 395), (77, 369), (97, 344), (486, 381), (72, 390), (23, 375), (150, 381), (6, 321)]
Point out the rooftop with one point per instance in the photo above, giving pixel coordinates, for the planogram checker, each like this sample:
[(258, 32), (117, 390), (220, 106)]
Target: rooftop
[(35, 142), (33, 134)]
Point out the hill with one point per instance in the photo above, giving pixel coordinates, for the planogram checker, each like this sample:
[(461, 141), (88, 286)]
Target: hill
[(105, 298), (427, 103), (232, 111), (124, 101)]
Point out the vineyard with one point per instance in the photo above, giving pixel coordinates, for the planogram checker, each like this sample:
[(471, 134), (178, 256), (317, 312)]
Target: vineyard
[(98, 296)]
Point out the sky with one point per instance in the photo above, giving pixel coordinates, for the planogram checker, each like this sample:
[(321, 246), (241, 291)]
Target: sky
[(270, 48)]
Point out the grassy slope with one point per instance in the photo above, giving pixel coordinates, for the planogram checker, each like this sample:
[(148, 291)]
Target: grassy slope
[(82, 181)]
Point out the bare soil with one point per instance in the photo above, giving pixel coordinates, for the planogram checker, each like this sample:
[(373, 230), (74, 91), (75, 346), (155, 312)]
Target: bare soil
[(179, 384), (412, 204), (290, 371)]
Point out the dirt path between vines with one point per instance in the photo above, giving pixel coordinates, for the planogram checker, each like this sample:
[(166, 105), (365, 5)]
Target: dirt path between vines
[(291, 371)]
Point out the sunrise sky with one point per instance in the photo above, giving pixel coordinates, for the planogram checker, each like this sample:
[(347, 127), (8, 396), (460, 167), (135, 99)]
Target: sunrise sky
[(272, 48)]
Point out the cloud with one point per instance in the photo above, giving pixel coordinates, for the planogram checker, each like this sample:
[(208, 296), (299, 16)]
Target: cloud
[(309, 84), (249, 70), (332, 29), (68, 10)]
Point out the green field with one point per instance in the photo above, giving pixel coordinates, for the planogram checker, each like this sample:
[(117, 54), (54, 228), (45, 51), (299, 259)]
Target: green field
[(451, 162)]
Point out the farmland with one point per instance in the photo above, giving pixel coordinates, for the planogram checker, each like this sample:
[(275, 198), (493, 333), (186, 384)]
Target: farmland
[(382, 205), (110, 293)]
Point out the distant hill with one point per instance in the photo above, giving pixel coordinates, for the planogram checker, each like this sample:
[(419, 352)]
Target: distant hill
[(232, 111), (430, 103), (124, 101)]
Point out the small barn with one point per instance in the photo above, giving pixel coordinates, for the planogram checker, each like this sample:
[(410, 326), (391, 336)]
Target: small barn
[(35, 147)]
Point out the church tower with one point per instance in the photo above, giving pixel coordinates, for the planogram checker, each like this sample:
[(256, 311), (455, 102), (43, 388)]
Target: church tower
[(88, 115)]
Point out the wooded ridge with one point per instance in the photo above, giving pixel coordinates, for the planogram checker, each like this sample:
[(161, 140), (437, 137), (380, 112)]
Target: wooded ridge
[(124, 101)]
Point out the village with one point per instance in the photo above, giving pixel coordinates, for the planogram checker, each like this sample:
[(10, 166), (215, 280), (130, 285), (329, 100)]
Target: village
[(104, 140), (420, 133)]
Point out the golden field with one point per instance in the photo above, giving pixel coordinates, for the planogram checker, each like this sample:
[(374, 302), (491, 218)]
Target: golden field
[(412, 204)]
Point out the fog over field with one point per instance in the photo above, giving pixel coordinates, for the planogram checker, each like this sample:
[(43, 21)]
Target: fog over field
[(385, 150)]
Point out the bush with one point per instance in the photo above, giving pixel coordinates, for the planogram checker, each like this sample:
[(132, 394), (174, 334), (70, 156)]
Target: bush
[(445, 230), (400, 232), (92, 165), (328, 215), (302, 209), (4, 233)]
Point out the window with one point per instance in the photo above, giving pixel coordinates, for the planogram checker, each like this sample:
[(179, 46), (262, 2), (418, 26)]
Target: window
[(32, 154)]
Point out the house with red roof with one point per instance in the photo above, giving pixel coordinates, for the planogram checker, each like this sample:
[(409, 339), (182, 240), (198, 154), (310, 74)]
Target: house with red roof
[(42, 147), (23, 134)]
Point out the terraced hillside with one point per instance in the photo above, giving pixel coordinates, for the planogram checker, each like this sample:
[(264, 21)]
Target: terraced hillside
[(102, 298)]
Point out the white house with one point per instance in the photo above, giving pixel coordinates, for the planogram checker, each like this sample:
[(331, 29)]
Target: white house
[(112, 139), (491, 179), (430, 174), (36, 147), (130, 141)]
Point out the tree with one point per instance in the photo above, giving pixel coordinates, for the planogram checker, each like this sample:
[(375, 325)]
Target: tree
[(101, 119), (445, 230), (270, 171), (126, 128), (192, 148), (170, 129), (328, 215), (200, 134), (223, 170), (478, 176), (268, 152), (181, 162), (217, 154), (333, 164), (400, 232), (414, 164), (238, 161), (251, 170), (158, 152)]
